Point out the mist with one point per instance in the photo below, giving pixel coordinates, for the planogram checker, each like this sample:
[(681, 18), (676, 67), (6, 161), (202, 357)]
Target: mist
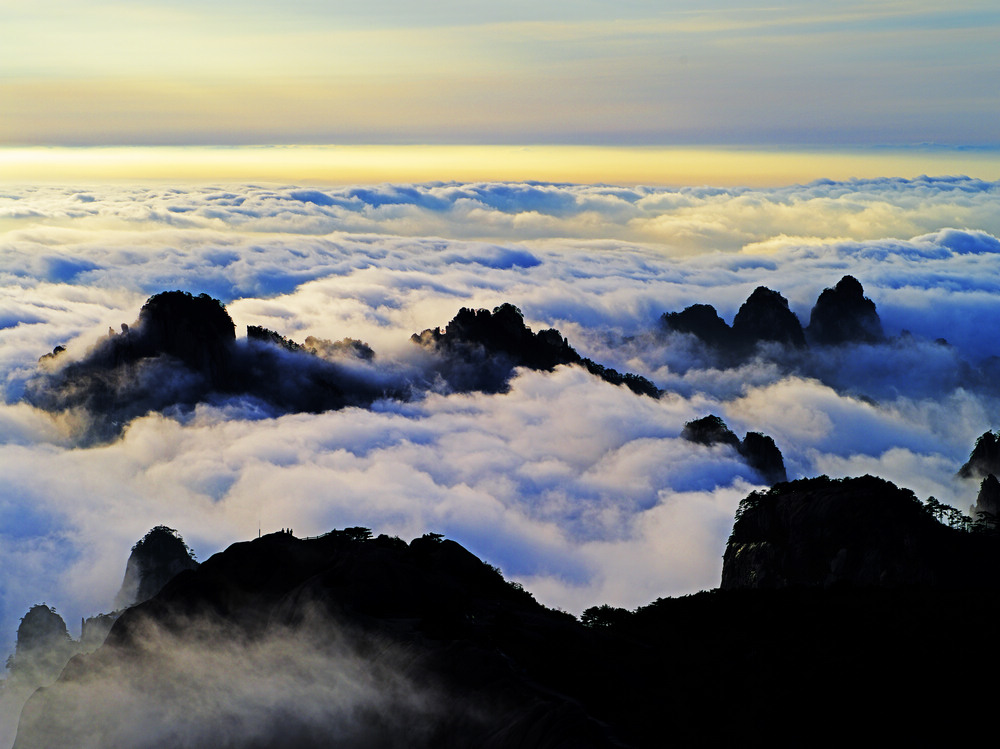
[(294, 685), (581, 490)]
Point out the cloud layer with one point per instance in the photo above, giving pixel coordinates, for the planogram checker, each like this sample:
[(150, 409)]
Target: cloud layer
[(581, 490)]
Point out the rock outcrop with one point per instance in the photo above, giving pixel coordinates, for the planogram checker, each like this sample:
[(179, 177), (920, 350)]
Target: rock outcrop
[(987, 507), (40, 630), (841, 315), (859, 531), (844, 314), (702, 321), (763, 456), (341, 640), (156, 558), (482, 348), (182, 351), (758, 450), (710, 430), (764, 317), (984, 459), (42, 648)]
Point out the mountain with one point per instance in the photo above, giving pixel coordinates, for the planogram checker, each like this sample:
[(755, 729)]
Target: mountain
[(837, 614), (156, 558), (702, 321), (844, 314), (841, 315), (984, 458), (859, 531), (481, 349), (43, 645), (758, 450), (367, 642), (765, 316), (182, 351)]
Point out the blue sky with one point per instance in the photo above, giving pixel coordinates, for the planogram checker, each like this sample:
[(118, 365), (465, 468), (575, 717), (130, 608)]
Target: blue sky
[(633, 73)]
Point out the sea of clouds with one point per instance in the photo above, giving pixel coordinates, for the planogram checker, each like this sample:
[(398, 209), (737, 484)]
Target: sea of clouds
[(582, 491)]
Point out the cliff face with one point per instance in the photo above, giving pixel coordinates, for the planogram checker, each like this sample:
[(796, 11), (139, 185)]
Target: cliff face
[(862, 531), (984, 458), (341, 640), (159, 556)]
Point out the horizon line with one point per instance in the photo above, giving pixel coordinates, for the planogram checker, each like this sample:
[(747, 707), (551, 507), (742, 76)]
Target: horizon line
[(343, 164)]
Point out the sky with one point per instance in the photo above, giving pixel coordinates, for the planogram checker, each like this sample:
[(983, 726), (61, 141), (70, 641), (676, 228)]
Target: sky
[(629, 73), (330, 169)]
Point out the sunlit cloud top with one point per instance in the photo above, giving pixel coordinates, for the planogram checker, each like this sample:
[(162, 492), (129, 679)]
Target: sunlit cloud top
[(626, 73)]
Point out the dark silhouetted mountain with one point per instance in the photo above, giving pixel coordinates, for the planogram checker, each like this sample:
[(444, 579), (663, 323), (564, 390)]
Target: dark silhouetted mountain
[(94, 630), (155, 559), (482, 348), (344, 348), (41, 629), (702, 321), (795, 667), (257, 333), (348, 640), (763, 456), (844, 314), (987, 507), (765, 316), (984, 459), (182, 351), (841, 315), (197, 330), (758, 450), (710, 430), (42, 649), (424, 646), (858, 531)]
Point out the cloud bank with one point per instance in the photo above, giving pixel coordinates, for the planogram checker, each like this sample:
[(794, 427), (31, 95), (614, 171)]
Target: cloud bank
[(581, 490)]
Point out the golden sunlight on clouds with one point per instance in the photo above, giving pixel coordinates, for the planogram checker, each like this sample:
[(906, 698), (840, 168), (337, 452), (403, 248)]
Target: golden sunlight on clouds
[(579, 164)]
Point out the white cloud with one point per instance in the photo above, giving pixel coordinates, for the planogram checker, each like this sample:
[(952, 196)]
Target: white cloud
[(581, 490)]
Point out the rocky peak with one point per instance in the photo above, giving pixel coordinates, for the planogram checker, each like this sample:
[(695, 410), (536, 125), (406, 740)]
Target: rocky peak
[(984, 459), (987, 507), (765, 316), (702, 321), (195, 329), (155, 559), (758, 450), (856, 531), (763, 456), (844, 314), (503, 330), (41, 629), (709, 430), (483, 347)]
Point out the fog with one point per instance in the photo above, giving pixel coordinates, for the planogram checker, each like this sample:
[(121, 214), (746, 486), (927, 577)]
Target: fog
[(582, 491), (292, 686)]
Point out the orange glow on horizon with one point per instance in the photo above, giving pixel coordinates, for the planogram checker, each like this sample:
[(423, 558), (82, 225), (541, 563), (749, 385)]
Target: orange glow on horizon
[(576, 164)]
